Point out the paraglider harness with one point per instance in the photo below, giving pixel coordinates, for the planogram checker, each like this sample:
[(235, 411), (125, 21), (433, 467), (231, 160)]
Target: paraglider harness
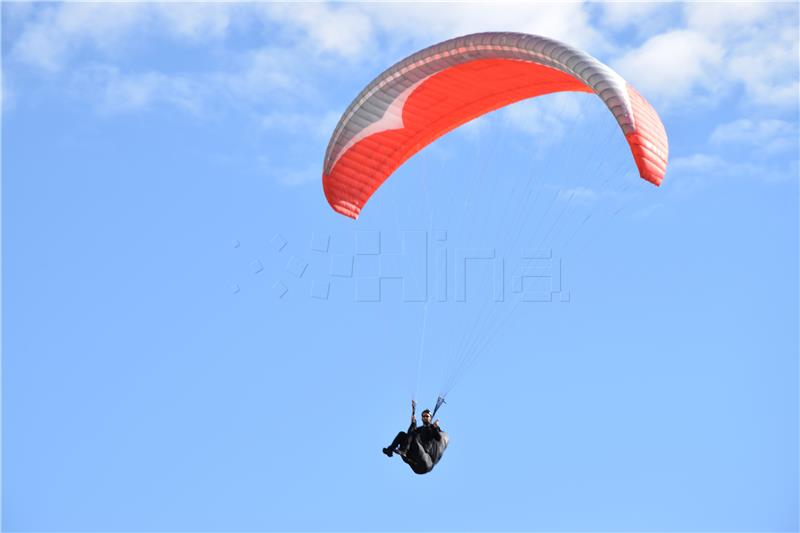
[(403, 451)]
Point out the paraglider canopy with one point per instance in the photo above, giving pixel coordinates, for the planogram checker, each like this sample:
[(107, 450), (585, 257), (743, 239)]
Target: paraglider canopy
[(435, 90)]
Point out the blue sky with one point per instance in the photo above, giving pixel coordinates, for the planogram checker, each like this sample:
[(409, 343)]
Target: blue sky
[(189, 336)]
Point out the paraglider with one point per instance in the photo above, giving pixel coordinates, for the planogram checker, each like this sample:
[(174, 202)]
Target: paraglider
[(421, 447), (436, 90)]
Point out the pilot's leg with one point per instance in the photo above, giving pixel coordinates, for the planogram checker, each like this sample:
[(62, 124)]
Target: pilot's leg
[(400, 440)]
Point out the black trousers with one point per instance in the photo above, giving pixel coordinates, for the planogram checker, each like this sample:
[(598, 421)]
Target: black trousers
[(402, 440)]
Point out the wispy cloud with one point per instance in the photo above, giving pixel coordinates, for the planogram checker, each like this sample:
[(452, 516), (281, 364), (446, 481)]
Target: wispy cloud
[(647, 211), (54, 33), (644, 18), (767, 136), (186, 21), (699, 162), (700, 170), (257, 75), (115, 92), (288, 175), (259, 78), (546, 118), (319, 125), (429, 22), (344, 30), (579, 195)]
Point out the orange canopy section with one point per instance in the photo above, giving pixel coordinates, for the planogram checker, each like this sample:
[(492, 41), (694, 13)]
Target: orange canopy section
[(434, 91)]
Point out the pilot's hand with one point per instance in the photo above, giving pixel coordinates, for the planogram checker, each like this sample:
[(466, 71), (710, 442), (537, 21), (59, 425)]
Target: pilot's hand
[(413, 406), (436, 424)]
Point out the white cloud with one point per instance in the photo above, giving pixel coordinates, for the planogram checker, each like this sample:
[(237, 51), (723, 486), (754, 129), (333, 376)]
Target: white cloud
[(673, 65), (344, 30), (768, 136), (728, 20), (720, 47), (768, 68)]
